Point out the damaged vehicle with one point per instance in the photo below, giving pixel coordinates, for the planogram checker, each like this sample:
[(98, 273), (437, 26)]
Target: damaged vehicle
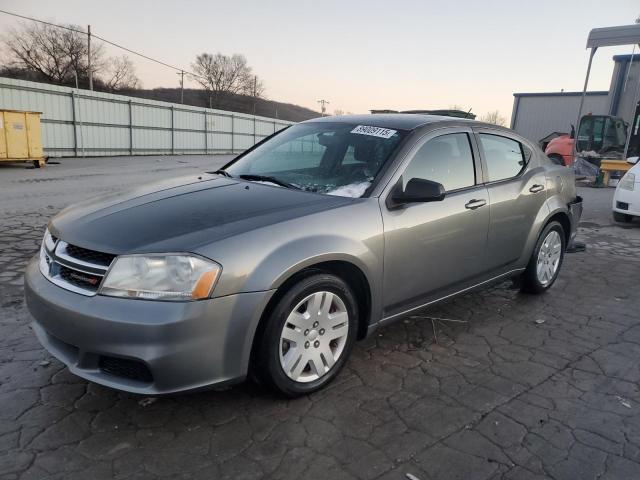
[(277, 263)]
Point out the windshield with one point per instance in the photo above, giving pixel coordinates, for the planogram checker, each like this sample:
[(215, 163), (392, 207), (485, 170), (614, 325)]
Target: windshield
[(330, 158), (601, 134)]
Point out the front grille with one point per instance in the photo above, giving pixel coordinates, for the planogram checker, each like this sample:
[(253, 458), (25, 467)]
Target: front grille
[(89, 256), (74, 268), (80, 279), (622, 205), (122, 367)]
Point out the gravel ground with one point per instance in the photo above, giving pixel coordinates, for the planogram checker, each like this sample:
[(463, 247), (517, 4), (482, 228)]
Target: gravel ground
[(531, 388)]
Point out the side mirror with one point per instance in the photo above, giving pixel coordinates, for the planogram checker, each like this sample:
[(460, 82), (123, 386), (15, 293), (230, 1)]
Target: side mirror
[(418, 190)]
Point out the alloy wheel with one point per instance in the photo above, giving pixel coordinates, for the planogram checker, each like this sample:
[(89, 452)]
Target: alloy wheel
[(549, 257)]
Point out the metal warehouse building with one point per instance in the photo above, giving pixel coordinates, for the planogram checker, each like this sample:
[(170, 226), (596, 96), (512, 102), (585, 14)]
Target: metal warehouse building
[(537, 116)]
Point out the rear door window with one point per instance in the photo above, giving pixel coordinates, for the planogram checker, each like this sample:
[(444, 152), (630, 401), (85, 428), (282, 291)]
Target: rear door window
[(505, 157)]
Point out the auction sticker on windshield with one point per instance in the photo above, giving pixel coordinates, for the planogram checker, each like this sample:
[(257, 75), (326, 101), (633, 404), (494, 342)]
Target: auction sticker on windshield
[(373, 131)]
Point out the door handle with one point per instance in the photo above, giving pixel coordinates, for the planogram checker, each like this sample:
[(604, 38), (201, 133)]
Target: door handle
[(536, 188), (473, 204)]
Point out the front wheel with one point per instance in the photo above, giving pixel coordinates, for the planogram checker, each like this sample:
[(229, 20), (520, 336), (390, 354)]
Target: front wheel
[(308, 335), (546, 260)]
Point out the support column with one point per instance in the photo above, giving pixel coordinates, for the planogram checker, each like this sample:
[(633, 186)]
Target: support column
[(173, 133), (206, 134), (130, 129), (75, 128), (584, 94)]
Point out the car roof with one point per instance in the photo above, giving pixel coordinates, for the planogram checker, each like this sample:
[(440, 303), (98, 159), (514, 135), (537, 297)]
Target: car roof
[(401, 121)]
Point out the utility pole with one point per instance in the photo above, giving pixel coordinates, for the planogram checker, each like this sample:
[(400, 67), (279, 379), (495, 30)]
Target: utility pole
[(181, 86), (89, 57), (323, 106), (255, 93)]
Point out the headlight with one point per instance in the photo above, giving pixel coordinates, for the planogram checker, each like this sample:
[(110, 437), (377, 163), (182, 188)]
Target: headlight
[(49, 241), (48, 245), (628, 181), (161, 277)]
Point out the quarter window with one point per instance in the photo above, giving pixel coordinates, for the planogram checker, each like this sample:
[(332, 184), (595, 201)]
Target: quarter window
[(446, 159), (505, 157)]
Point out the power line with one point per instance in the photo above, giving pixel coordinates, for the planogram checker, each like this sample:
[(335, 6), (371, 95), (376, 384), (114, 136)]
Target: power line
[(42, 21), (105, 41), (143, 56)]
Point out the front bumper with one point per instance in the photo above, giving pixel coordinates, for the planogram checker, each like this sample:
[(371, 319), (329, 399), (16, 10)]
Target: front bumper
[(141, 346), (629, 197)]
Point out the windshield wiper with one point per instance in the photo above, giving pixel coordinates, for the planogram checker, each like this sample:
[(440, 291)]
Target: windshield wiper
[(267, 178), (223, 173)]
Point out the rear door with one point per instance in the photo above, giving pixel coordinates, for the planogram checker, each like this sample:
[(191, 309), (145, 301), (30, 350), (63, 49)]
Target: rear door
[(516, 189), (432, 247)]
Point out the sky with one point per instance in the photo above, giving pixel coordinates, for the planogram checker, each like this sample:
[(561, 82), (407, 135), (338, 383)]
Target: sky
[(360, 55)]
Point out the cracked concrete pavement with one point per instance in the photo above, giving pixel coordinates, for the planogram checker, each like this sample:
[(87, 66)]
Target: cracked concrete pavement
[(532, 387)]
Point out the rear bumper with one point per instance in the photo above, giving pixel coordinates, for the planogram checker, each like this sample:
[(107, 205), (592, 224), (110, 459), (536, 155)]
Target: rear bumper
[(575, 212), (146, 347)]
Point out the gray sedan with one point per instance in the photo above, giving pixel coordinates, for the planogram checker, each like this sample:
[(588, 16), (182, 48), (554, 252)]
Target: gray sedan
[(276, 264)]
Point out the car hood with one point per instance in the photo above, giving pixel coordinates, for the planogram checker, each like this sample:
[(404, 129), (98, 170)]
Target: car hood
[(182, 214)]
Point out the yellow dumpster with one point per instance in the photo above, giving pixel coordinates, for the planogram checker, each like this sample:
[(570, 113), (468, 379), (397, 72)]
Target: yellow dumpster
[(20, 137)]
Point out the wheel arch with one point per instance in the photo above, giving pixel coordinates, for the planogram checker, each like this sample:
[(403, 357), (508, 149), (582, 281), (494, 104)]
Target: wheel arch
[(555, 210), (346, 270), (563, 219)]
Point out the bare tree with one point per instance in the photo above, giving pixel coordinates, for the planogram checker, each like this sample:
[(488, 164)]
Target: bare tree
[(226, 74), (494, 117), (56, 54), (120, 74), (337, 112)]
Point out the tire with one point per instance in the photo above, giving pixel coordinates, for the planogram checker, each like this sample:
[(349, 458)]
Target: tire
[(297, 353), (537, 279), (557, 159), (622, 217)]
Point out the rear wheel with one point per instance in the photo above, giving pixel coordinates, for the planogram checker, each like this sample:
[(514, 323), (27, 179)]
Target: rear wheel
[(622, 217), (546, 260), (308, 336)]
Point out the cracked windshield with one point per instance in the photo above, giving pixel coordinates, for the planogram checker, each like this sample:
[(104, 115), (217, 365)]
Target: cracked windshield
[(330, 158)]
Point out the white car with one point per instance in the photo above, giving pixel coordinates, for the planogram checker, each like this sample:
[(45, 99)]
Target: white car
[(626, 200)]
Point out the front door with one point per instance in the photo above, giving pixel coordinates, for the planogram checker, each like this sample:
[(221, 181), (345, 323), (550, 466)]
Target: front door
[(430, 248)]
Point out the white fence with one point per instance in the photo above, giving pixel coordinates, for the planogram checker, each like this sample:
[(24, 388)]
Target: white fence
[(85, 123)]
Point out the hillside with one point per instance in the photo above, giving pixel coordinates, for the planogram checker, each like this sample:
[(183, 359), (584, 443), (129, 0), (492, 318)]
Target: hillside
[(231, 102), (195, 97)]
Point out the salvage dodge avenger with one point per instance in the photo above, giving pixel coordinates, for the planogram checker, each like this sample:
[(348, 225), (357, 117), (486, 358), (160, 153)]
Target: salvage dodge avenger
[(277, 263)]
